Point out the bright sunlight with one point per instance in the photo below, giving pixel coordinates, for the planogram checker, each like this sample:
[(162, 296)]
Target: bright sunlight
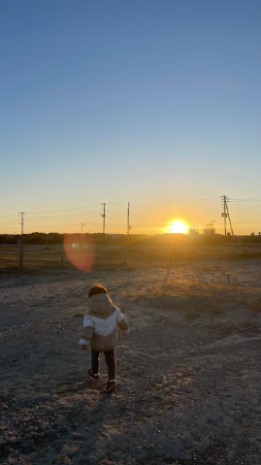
[(177, 227)]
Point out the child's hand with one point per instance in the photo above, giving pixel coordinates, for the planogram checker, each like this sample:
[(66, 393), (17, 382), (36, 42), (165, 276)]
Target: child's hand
[(123, 333), (84, 344)]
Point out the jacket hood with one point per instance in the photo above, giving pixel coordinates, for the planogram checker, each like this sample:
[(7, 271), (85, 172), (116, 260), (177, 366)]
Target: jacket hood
[(100, 305)]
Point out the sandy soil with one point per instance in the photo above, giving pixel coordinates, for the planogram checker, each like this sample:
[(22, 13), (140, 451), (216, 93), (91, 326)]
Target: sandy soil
[(188, 372)]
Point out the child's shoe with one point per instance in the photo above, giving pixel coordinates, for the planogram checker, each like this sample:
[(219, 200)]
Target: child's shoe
[(110, 386), (93, 375)]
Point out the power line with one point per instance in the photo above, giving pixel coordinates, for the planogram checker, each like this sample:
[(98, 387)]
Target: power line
[(133, 203), (175, 201), (64, 209)]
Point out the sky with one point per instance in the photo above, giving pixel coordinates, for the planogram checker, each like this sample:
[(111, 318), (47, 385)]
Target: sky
[(155, 103)]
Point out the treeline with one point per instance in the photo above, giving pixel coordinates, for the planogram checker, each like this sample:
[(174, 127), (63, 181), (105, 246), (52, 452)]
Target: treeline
[(33, 238), (121, 239), (56, 238)]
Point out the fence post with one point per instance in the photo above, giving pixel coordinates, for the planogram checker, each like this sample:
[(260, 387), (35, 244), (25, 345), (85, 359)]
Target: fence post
[(21, 251)]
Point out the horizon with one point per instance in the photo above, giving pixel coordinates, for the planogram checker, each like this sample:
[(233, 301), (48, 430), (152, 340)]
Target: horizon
[(134, 217), (190, 234)]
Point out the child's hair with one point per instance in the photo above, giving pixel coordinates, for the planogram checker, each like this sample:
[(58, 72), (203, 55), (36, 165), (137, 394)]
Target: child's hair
[(97, 289)]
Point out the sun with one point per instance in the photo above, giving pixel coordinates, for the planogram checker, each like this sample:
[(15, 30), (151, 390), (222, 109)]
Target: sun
[(177, 227)]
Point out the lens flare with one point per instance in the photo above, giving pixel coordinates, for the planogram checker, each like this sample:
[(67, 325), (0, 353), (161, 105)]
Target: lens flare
[(80, 251)]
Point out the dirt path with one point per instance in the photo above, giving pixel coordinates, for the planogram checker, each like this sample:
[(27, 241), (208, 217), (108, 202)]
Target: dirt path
[(188, 372)]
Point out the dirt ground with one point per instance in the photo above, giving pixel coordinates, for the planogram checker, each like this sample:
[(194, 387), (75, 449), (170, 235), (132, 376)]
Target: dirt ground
[(188, 372)]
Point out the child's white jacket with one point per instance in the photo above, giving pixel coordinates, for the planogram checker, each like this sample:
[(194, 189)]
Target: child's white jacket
[(101, 323)]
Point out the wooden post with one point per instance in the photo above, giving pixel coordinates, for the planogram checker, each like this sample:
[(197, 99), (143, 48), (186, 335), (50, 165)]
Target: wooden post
[(21, 251)]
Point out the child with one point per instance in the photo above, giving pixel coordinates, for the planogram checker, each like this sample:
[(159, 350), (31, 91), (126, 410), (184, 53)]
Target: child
[(100, 326)]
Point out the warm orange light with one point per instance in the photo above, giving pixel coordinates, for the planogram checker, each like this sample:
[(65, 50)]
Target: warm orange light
[(177, 227)]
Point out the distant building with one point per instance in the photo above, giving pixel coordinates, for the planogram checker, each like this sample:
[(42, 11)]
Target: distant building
[(193, 230), (209, 229)]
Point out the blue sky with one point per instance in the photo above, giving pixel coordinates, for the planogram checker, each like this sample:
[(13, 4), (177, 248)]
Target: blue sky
[(156, 103)]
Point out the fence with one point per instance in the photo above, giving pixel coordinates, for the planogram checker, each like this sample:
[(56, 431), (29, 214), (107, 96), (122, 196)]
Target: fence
[(48, 256)]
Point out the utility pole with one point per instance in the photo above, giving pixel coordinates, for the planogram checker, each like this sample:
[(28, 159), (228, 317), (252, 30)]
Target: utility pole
[(225, 214), (22, 223), (82, 225), (103, 214), (128, 219), (20, 241), (128, 233)]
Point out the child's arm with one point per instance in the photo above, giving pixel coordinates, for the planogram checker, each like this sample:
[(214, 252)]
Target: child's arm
[(87, 334), (122, 322)]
